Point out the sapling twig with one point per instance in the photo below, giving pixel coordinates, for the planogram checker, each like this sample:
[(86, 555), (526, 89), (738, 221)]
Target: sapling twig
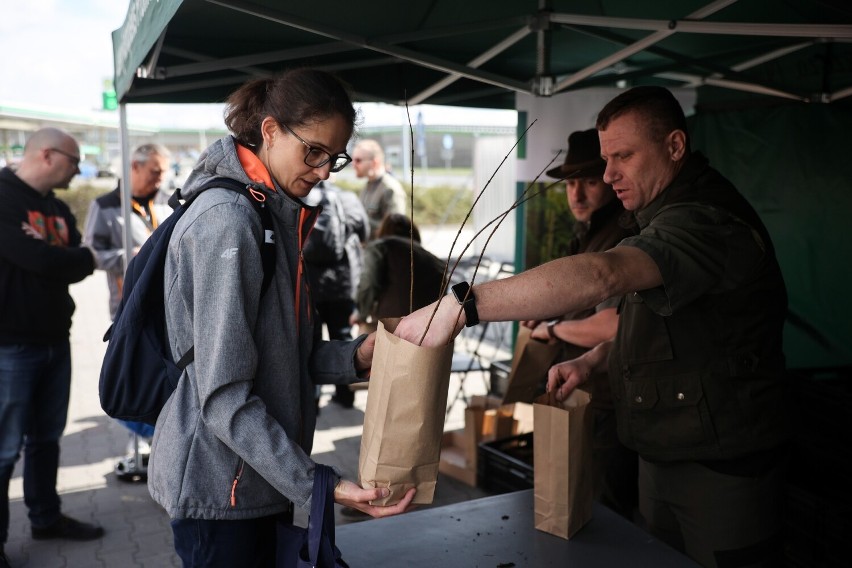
[(411, 226), (475, 201), (446, 277), (499, 219)]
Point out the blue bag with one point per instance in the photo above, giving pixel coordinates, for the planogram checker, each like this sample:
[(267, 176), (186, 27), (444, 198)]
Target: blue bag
[(314, 546), (138, 373)]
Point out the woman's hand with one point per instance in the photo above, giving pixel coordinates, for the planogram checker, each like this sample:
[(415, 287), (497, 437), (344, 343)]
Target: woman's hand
[(350, 494)]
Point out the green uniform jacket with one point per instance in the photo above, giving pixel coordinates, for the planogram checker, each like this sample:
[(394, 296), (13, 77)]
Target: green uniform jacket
[(697, 368)]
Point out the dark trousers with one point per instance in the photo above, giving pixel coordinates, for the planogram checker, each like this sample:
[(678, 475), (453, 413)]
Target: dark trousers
[(35, 386), (718, 520), (248, 543), (616, 467), (335, 315)]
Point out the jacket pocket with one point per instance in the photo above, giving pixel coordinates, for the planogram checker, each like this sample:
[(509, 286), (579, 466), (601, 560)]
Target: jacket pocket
[(638, 320), (667, 413)]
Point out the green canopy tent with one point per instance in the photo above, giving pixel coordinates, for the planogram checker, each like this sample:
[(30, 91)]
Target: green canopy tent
[(773, 80)]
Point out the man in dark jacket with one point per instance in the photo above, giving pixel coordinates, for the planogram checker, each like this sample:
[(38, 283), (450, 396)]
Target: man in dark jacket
[(40, 255), (334, 258), (600, 224), (696, 368)]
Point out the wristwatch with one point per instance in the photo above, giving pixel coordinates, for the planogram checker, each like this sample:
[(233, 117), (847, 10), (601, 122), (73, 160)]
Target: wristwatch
[(464, 296), (550, 325)]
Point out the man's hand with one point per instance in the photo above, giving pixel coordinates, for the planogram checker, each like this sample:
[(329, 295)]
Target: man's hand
[(563, 378), (364, 356), (543, 333), (530, 324), (350, 494), (444, 327)]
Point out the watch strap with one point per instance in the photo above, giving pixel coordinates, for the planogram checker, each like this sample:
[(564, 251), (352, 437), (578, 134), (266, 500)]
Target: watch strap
[(464, 296)]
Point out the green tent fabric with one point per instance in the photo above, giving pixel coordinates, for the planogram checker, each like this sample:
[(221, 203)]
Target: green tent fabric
[(743, 55), (793, 163)]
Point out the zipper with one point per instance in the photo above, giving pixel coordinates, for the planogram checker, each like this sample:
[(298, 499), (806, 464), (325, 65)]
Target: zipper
[(304, 216), (237, 478)]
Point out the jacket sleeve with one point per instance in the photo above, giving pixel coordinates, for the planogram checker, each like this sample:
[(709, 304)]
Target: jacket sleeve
[(333, 362), (394, 201), (357, 221), (370, 285), (98, 235), (63, 263)]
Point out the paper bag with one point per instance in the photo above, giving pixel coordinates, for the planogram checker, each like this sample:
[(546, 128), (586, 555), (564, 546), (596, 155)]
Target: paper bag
[(404, 419), (530, 363), (562, 463)]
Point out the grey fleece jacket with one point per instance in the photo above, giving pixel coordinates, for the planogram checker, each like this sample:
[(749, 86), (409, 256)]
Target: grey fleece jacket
[(233, 440)]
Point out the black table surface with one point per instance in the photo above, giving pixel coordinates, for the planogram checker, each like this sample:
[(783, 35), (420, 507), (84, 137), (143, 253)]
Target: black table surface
[(499, 531)]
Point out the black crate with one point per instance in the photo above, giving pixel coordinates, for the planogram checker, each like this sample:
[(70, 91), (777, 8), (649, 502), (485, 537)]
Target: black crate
[(506, 465)]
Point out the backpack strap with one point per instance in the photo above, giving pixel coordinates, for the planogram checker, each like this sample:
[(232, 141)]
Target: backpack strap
[(257, 198)]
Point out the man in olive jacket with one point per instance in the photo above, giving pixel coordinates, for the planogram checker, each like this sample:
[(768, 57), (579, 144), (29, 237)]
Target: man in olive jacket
[(696, 369)]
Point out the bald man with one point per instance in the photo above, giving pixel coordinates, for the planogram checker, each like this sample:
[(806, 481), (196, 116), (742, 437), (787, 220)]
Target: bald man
[(383, 194), (40, 255)]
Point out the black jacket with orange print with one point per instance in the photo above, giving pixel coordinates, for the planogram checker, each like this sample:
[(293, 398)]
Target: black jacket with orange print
[(35, 305)]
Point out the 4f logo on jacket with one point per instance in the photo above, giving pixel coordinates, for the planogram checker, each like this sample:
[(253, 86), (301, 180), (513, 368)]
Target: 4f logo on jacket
[(229, 252)]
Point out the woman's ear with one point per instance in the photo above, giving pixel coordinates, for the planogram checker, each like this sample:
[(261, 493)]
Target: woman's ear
[(269, 130)]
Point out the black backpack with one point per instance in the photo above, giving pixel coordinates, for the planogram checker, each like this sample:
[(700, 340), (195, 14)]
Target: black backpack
[(138, 373), (326, 244)]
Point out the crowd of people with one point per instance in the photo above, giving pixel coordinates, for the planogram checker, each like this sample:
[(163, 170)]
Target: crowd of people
[(669, 305)]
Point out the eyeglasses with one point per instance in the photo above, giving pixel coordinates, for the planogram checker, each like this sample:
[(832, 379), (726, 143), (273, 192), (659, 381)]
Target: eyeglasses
[(317, 157), (75, 160)]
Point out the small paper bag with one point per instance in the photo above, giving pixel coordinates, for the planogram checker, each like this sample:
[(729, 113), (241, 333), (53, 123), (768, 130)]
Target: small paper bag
[(562, 463), (530, 363), (404, 419)]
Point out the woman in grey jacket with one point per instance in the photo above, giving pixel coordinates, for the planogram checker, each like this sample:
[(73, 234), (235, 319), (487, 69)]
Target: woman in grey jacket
[(231, 449)]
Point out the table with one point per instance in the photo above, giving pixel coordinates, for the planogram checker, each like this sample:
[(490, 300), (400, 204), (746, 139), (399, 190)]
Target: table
[(499, 531)]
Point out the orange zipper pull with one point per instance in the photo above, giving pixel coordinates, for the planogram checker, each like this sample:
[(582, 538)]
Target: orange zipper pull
[(234, 484)]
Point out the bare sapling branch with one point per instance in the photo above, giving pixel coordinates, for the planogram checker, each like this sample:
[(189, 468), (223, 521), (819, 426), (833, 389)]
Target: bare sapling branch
[(499, 220), (411, 227)]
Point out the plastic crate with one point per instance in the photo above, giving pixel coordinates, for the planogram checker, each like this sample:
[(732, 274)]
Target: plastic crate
[(506, 465)]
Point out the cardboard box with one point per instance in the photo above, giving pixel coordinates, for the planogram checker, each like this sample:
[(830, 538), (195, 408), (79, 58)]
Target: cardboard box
[(485, 419)]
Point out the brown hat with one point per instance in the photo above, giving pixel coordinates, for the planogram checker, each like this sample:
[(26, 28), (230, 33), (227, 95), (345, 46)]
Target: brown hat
[(584, 157)]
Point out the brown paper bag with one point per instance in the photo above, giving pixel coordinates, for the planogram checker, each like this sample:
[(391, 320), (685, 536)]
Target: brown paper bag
[(530, 363), (562, 463), (404, 419)]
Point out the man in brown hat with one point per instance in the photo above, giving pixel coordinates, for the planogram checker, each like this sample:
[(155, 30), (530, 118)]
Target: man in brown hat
[(600, 225)]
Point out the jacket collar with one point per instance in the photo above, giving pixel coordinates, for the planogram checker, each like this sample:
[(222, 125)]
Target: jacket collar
[(695, 165)]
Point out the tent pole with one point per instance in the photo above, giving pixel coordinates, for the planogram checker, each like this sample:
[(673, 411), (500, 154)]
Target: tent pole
[(124, 184)]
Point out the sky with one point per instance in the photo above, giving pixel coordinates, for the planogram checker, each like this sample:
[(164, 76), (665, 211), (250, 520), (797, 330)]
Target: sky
[(56, 55)]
